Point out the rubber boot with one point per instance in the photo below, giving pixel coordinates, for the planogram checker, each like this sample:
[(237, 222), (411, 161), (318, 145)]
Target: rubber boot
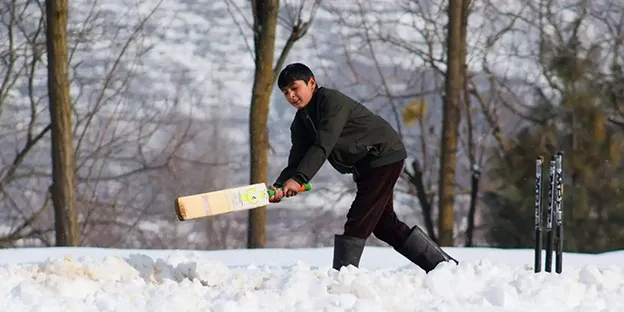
[(347, 251), (423, 251)]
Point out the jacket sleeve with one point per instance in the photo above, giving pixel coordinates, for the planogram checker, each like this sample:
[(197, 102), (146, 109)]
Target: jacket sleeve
[(332, 117), (299, 145)]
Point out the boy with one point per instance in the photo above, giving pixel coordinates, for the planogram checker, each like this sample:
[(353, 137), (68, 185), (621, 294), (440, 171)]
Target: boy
[(330, 126)]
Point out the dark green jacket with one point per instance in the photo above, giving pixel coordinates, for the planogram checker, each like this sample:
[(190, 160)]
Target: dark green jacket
[(338, 129)]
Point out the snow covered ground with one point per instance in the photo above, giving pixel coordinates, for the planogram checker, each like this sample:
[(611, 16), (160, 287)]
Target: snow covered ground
[(92, 279)]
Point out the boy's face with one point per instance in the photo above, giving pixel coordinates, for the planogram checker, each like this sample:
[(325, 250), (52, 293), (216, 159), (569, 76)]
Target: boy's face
[(299, 93)]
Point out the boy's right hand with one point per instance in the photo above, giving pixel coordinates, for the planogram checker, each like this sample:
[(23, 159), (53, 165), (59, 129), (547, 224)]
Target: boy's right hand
[(279, 194)]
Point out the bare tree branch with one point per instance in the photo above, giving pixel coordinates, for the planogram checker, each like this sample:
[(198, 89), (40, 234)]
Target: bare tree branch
[(298, 28)]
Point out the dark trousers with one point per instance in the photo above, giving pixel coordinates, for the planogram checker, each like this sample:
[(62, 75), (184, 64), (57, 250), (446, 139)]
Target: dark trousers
[(372, 210)]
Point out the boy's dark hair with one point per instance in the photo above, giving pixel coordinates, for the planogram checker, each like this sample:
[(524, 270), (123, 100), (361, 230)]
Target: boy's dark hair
[(292, 73)]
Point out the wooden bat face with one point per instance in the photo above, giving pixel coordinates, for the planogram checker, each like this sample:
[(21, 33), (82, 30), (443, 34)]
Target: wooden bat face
[(223, 201)]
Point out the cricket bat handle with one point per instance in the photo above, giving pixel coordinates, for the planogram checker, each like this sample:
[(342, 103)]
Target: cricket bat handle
[(303, 188)]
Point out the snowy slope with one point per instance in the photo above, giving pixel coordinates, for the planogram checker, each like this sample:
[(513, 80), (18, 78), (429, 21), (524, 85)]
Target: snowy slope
[(91, 279)]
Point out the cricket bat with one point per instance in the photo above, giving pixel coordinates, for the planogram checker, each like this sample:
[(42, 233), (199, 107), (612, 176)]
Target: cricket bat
[(225, 201)]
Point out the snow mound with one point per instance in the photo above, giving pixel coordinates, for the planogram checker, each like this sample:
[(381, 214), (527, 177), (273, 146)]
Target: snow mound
[(159, 281)]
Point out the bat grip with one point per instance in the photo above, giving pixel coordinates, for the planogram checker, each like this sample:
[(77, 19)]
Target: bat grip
[(303, 188)]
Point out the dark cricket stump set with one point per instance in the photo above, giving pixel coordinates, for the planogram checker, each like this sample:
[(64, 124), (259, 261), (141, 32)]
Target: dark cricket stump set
[(554, 230)]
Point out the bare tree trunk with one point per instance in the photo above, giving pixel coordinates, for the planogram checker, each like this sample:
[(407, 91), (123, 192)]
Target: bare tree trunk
[(63, 164), (472, 157), (265, 23), (450, 123)]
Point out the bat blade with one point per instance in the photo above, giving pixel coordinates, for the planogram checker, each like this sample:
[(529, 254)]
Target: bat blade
[(222, 201)]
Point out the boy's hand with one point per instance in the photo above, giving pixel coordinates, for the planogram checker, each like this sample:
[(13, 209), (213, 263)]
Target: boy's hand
[(278, 194), (291, 188)]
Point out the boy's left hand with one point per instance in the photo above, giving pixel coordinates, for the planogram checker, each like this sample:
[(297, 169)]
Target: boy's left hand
[(291, 188)]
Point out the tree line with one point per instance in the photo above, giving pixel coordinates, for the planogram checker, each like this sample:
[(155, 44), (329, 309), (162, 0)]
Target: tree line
[(475, 106)]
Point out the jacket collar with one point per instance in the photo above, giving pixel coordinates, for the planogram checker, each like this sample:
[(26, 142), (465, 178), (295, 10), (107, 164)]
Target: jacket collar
[(313, 101)]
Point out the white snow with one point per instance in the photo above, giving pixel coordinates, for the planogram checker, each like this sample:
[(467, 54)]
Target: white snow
[(99, 279)]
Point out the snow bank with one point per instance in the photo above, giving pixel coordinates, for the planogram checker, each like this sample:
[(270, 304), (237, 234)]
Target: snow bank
[(92, 279)]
